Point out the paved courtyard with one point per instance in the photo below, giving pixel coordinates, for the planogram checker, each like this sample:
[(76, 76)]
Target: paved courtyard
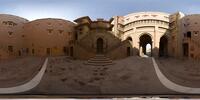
[(18, 71), (132, 75)]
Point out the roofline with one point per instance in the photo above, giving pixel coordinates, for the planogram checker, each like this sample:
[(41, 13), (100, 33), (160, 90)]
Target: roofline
[(146, 12), (87, 17)]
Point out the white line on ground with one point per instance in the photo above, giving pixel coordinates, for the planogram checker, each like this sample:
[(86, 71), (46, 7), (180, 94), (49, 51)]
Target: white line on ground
[(173, 86), (27, 86)]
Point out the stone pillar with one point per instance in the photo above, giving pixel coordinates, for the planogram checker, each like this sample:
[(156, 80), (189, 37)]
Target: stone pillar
[(137, 46), (140, 51), (155, 43)]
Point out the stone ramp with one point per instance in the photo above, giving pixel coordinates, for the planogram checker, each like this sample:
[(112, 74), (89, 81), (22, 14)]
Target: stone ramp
[(99, 60)]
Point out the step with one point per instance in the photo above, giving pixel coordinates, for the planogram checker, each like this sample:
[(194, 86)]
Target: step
[(91, 61), (99, 64), (99, 60)]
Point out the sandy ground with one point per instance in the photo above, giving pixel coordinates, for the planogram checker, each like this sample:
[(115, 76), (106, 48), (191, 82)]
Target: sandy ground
[(183, 72), (133, 75), (18, 71)]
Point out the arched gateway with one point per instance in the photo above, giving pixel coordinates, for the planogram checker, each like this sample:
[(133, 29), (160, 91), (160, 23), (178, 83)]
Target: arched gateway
[(145, 45)]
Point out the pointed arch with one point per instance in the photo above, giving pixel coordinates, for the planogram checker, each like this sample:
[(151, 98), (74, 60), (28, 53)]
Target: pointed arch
[(99, 44), (144, 40), (163, 46)]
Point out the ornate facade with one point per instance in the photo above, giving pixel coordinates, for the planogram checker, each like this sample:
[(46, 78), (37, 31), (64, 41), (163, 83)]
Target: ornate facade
[(138, 34)]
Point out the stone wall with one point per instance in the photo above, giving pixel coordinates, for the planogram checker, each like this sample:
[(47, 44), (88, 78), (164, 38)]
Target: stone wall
[(11, 36), (48, 37)]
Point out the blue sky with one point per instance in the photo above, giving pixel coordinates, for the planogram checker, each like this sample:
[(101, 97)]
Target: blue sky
[(72, 9)]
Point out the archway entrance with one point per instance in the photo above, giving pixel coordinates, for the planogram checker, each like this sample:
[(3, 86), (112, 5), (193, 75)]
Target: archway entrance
[(145, 45), (163, 47), (99, 46)]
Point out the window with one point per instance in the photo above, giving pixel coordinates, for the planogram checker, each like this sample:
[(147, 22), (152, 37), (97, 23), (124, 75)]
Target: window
[(27, 50), (166, 17), (192, 55), (19, 53), (50, 30), (32, 45), (189, 34), (11, 23), (33, 51), (10, 33), (127, 19), (196, 33), (154, 15), (4, 22), (66, 50), (137, 16), (173, 38), (76, 36), (60, 31), (49, 24), (69, 33), (145, 15), (10, 48), (14, 24), (157, 22)]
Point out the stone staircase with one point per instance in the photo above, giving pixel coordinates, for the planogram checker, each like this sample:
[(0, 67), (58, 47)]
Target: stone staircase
[(99, 60)]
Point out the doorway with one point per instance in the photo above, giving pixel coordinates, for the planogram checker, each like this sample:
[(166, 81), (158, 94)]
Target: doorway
[(48, 51), (99, 46), (185, 49), (71, 51), (163, 47)]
